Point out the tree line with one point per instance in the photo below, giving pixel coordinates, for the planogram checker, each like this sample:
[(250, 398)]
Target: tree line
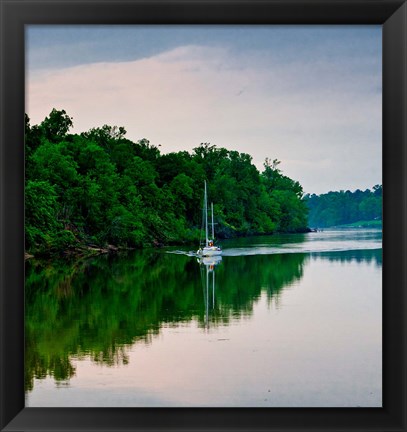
[(99, 188), (346, 208)]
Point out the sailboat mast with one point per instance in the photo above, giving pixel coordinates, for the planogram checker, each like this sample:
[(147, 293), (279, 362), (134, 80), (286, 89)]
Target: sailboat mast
[(213, 232), (207, 298), (213, 289), (206, 215)]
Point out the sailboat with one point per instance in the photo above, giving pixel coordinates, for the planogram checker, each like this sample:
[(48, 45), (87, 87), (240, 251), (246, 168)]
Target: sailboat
[(209, 249)]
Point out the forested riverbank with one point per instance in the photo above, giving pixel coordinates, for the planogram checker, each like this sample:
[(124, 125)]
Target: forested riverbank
[(346, 208), (98, 188)]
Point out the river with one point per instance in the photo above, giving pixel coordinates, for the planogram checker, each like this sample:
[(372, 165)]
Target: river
[(280, 321)]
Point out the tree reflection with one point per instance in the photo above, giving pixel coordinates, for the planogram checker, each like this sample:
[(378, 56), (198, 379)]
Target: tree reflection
[(99, 308), (356, 256)]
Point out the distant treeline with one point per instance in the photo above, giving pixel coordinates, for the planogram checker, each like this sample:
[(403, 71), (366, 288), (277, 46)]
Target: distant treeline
[(99, 188), (343, 208)]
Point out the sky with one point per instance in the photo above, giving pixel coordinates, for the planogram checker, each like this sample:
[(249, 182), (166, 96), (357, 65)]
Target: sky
[(309, 96)]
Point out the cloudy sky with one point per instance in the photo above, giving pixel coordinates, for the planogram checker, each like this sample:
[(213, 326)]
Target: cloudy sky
[(309, 96)]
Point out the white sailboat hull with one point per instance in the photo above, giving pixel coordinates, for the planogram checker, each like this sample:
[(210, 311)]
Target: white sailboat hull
[(210, 251)]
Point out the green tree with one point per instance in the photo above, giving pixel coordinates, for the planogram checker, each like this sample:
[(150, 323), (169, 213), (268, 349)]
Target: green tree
[(43, 229), (56, 125)]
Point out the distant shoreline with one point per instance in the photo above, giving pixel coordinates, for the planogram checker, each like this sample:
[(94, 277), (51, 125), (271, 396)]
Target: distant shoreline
[(361, 224)]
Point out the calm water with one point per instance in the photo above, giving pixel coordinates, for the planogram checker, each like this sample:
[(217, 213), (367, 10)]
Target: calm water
[(291, 321)]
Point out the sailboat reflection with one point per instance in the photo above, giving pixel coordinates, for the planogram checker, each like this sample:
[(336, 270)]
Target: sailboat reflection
[(208, 265)]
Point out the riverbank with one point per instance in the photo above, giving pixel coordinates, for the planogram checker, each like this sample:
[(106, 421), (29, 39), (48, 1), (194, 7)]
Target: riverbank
[(82, 250), (363, 224)]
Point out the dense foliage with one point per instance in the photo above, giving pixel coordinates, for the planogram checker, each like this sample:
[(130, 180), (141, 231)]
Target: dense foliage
[(343, 208), (100, 188)]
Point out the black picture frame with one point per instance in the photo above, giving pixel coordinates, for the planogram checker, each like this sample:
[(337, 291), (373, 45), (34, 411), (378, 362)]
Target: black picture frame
[(392, 15)]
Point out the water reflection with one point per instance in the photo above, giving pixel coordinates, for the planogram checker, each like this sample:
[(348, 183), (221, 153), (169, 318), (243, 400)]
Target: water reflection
[(353, 256), (101, 307), (207, 266)]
